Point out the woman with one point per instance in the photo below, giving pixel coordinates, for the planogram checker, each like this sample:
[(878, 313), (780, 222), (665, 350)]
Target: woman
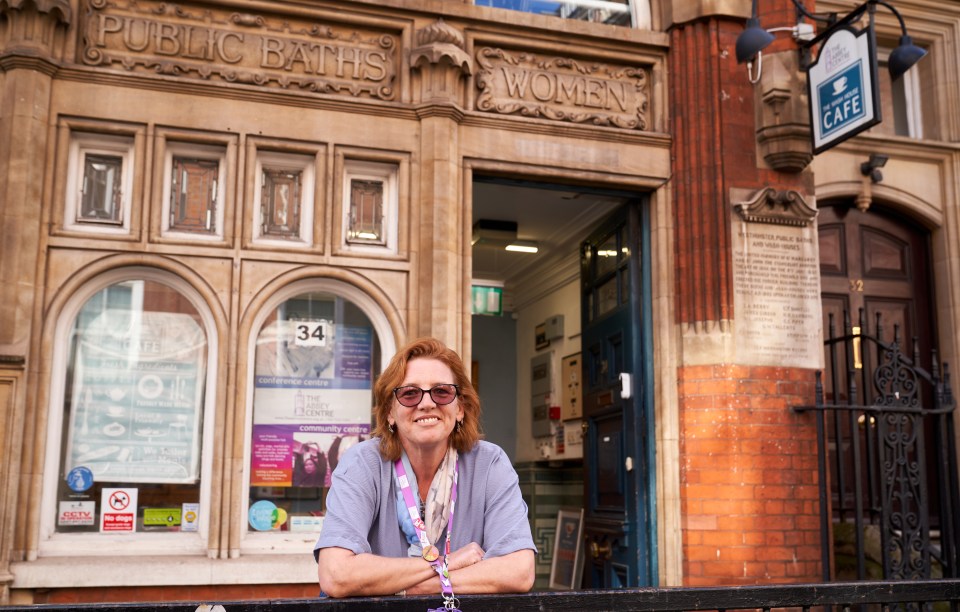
[(309, 466), (380, 537)]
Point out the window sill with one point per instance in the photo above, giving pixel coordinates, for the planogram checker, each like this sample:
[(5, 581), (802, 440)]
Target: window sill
[(78, 572)]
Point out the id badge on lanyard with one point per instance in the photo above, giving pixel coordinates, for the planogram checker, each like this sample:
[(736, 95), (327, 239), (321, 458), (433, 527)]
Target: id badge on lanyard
[(430, 553)]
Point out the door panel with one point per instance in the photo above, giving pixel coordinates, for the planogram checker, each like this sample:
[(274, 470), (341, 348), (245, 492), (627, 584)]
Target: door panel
[(618, 476), (876, 262), (610, 493), (893, 313), (884, 256), (833, 256)]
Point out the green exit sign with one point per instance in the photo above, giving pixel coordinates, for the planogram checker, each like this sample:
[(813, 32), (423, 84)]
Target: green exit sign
[(487, 300)]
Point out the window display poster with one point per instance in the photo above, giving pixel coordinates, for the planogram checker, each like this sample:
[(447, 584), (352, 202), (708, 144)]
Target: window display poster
[(312, 399), (137, 398)]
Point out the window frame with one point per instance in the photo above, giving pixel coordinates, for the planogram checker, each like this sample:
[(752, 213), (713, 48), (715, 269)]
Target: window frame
[(387, 172), (292, 542), (638, 10), (83, 143), (53, 544), (912, 101), (306, 164), (206, 152)]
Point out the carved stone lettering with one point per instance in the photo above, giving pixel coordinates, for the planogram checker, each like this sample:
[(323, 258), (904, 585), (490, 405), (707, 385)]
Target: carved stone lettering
[(172, 39), (562, 89)]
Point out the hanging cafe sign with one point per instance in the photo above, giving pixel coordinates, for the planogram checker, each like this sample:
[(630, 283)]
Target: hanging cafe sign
[(842, 86)]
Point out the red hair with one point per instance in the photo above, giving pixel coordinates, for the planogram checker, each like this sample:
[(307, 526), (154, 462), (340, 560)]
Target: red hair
[(464, 436)]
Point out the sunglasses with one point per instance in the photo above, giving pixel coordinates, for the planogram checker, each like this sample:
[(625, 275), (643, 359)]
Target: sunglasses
[(440, 394)]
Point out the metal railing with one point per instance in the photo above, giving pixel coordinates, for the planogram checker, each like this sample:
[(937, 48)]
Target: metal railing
[(887, 457), (906, 594)]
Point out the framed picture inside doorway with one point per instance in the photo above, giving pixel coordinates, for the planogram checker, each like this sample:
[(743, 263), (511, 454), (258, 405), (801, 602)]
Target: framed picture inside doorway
[(566, 570)]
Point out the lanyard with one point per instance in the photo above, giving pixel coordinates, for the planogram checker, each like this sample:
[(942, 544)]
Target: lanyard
[(430, 552)]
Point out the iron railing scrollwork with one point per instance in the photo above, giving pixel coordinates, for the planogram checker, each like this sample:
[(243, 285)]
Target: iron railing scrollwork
[(886, 456)]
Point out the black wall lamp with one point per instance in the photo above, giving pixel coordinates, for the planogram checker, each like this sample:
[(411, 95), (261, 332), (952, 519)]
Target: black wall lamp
[(754, 39), (872, 166)]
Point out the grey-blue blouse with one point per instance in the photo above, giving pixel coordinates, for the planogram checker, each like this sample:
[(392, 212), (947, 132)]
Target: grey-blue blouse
[(362, 508)]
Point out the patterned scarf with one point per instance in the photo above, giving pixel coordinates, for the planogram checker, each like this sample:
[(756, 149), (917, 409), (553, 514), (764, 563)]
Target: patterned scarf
[(436, 508)]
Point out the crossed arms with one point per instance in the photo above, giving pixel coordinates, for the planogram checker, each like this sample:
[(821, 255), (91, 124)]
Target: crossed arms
[(343, 573)]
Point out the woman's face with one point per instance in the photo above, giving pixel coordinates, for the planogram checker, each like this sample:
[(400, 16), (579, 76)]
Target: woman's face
[(311, 461), (425, 426)]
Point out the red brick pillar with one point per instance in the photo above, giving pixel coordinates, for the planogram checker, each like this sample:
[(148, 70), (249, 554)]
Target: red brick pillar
[(748, 469)]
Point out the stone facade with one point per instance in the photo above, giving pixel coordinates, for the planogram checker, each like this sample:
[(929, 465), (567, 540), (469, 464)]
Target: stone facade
[(438, 92)]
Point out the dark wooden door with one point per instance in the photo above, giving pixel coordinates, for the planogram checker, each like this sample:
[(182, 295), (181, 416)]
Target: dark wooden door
[(875, 263), (617, 406)]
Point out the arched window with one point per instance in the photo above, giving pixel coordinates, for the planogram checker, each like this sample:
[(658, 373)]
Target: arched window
[(131, 389), (318, 347)]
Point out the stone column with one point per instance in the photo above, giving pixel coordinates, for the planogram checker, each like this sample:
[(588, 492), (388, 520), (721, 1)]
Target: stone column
[(32, 36), (441, 66)]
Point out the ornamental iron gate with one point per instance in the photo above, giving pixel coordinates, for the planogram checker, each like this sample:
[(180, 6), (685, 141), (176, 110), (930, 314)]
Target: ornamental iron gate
[(886, 456)]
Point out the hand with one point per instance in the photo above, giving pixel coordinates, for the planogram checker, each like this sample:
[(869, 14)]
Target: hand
[(465, 557)]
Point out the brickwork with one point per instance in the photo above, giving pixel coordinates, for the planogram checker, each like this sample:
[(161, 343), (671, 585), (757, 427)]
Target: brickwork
[(748, 476), (748, 471)]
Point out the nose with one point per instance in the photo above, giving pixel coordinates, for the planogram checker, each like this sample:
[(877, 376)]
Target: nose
[(428, 399)]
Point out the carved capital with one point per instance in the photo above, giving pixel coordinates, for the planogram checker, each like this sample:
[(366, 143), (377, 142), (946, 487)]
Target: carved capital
[(778, 207), (783, 119), (34, 27), (54, 7), (440, 42), (441, 62)]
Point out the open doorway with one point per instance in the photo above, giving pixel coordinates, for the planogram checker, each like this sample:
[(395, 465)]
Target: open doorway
[(526, 344)]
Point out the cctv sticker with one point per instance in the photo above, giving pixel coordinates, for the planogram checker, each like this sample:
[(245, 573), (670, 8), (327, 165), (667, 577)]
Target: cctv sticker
[(76, 514)]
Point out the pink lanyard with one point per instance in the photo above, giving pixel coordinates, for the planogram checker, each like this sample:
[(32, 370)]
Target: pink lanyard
[(430, 552)]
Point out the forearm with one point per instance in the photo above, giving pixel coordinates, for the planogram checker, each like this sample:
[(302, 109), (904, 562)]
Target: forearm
[(352, 575), (513, 573)]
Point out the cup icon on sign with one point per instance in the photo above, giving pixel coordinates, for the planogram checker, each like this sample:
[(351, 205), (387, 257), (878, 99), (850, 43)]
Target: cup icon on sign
[(839, 85)]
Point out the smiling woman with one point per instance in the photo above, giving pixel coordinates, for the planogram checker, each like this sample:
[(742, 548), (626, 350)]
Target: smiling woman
[(390, 525)]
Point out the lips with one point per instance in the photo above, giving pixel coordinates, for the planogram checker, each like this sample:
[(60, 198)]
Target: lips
[(428, 419)]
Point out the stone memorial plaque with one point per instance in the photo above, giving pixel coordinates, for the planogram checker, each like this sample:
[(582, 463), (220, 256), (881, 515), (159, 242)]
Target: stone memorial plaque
[(776, 280)]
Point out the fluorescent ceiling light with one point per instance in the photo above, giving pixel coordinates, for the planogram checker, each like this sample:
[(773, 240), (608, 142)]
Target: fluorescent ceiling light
[(522, 247)]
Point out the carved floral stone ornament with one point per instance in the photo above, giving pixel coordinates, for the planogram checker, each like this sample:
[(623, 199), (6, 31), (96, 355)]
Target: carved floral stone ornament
[(778, 207), (562, 88), (61, 8), (37, 25), (440, 66), (287, 52), (439, 41)]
